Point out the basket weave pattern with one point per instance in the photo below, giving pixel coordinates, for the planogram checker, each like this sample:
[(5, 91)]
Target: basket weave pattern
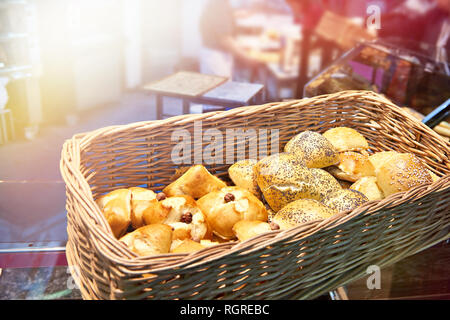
[(300, 263)]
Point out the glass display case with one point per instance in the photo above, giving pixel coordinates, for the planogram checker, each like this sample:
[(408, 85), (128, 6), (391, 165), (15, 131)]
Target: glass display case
[(409, 78)]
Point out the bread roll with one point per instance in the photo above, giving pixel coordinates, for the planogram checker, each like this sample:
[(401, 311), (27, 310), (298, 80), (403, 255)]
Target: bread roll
[(443, 129), (195, 182), (434, 177), (229, 205), (369, 187), (352, 166), (141, 199), (301, 211), (241, 173), (208, 243), (313, 148), (149, 240), (277, 167), (346, 139), (116, 207), (248, 229), (282, 180), (401, 173), (344, 200), (181, 230), (182, 214), (186, 246), (379, 158), (323, 183)]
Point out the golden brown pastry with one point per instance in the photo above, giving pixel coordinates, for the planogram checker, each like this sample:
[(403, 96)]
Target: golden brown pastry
[(229, 205), (246, 229), (195, 182), (352, 166), (369, 187), (401, 173), (241, 173), (116, 207), (282, 179), (313, 148), (192, 222), (186, 246), (183, 214), (301, 211), (149, 240), (208, 243), (344, 200), (141, 199), (346, 139)]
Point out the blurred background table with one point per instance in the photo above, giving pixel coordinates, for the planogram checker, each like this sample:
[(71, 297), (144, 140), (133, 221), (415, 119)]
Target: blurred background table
[(205, 90)]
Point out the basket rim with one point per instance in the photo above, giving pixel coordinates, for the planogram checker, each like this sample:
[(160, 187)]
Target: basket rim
[(85, 137), (103, 238)]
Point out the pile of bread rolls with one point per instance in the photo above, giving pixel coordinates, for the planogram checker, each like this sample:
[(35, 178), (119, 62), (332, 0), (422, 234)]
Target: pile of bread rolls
[(316, 177)]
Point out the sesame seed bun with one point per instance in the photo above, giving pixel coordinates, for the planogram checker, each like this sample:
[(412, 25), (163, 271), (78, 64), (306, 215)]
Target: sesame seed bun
[(379, 158), (401, 173)]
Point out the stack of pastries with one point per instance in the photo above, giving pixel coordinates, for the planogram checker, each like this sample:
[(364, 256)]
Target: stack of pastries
[(315, 177)]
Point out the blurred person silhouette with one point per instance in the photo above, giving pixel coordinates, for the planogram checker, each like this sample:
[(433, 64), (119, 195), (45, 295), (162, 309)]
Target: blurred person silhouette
[(218, 30), (307, 13)]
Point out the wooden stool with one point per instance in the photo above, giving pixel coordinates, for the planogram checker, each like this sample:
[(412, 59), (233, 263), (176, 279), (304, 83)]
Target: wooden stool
[(5, 118), (192, 87)]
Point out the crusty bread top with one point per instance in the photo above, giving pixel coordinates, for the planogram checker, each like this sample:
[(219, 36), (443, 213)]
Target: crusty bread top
[(401, 173), (346, 139), (314, 149)]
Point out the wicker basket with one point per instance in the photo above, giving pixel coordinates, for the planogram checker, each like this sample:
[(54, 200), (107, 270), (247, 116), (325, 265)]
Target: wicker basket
[(300, 263)]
